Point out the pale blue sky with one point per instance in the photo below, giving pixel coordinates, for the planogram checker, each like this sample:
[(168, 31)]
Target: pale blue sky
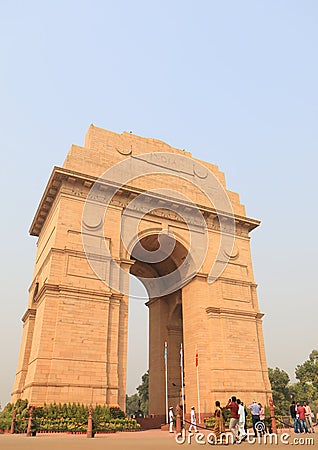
[(234, 82)]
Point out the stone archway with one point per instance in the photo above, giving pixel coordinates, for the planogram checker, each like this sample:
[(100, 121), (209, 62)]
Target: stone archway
[(74, 342), (165, 325)]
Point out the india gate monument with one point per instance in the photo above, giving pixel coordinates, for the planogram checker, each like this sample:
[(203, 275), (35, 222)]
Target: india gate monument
[(120, 205)]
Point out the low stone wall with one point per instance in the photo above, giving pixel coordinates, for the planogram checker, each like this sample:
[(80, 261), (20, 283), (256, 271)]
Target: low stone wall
[(151, 423)]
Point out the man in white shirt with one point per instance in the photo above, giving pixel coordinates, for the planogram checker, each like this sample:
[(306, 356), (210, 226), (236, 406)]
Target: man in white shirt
[(193, 420), (241, 422), (171, 419)]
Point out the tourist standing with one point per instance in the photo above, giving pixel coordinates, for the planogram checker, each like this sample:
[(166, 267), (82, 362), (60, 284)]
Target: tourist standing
[(245, 411), (171, 417), (262, 416), (241, 421), (293, 413), (233, 406), (219, 425), (308, 415), (255, 410), (193, 420), (301, 412)]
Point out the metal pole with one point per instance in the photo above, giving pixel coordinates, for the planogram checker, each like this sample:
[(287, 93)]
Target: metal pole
[(182, 387), (166, 379), (198, 384)]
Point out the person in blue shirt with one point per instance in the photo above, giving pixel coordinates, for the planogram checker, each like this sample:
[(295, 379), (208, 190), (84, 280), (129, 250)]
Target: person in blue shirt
[(255, 410)]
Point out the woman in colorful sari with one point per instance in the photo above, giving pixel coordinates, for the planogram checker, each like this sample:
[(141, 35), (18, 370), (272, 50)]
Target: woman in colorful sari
[(219, 426)]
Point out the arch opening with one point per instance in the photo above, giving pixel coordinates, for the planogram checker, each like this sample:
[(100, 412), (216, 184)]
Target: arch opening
[(165, 320), (138, 335)]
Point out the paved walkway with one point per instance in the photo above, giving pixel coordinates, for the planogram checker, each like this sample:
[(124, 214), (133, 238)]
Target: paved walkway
[(144, 440)]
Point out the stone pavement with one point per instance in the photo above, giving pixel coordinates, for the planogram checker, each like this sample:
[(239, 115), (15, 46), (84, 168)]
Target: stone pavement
[(144, 440)]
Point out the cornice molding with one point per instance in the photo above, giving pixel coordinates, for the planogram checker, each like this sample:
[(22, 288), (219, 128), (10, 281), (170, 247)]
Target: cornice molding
[(213, 311), (87, 294), (80, 184), (29, 314), (88, 386)]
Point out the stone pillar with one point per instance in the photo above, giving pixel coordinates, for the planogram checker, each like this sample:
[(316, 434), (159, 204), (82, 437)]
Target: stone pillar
[(112, 351), (195, 333), (25, 350), (13, 421), (122, 351), (261, 347), (178, 419), (174, 374), (175, 338), (29, 429), (158, 315), (272, 412), (90, 423)]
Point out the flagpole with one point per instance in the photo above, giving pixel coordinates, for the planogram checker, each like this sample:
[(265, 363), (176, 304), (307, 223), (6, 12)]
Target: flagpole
[(166, 378), (198, 384), (182, 388)]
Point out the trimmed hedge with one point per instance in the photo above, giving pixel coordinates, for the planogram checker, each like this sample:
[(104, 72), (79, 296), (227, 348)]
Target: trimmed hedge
[(66, 418)]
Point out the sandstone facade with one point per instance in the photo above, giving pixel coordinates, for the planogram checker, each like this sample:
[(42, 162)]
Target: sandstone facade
[(74, 343)]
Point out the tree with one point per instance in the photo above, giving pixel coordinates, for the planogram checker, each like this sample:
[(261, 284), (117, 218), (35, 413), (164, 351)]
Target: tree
[(307, 386), (306, 389), (279, 380), (308, 371), (132, 404), (143, 392), (140, 400), (304, 392)]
